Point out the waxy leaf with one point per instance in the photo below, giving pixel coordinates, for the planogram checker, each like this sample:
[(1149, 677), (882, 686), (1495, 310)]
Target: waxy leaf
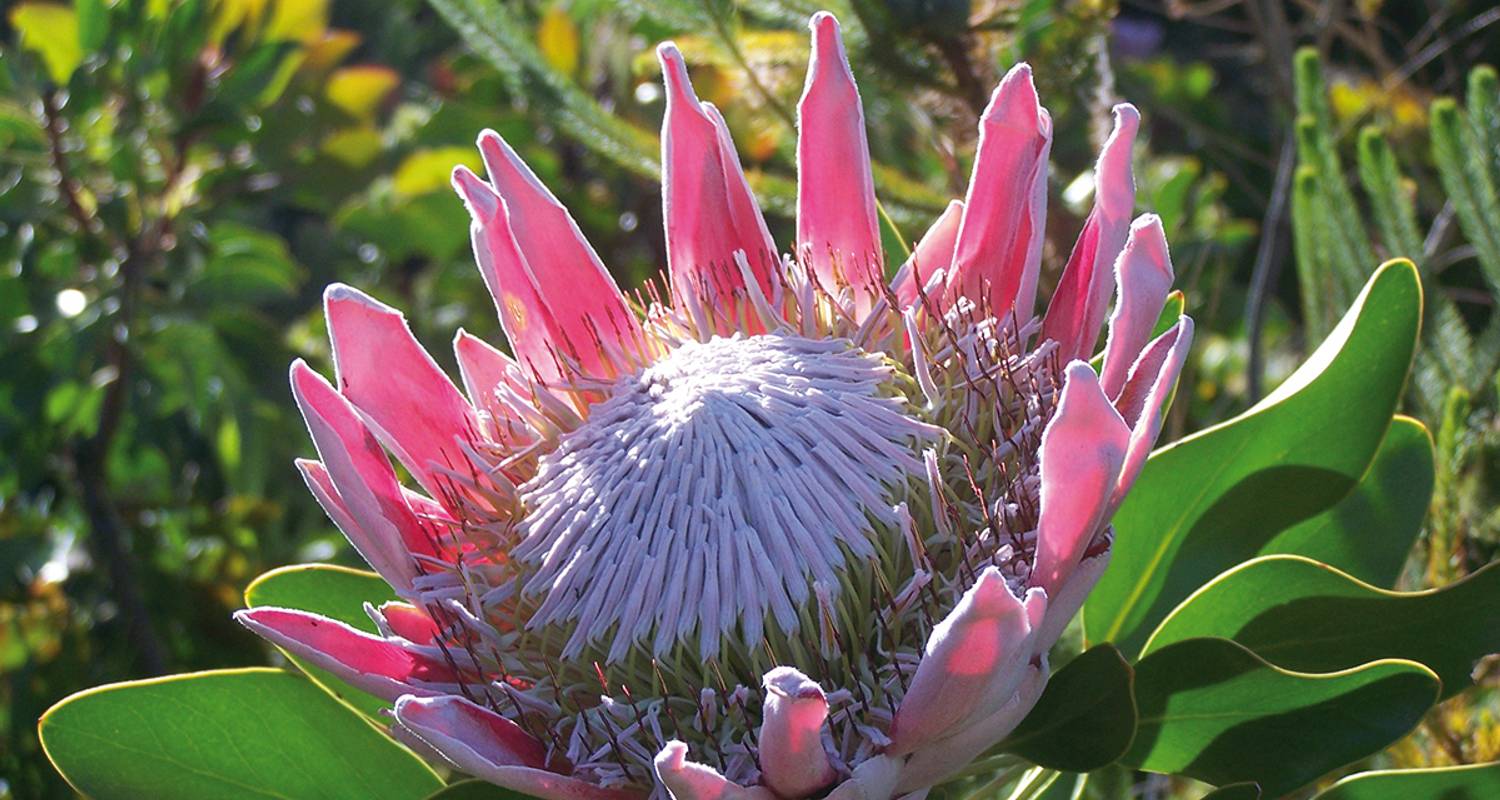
[(1212, 710), (1469, 782), (1084, 719), (252, 733), (1302, 615), (1369, 533), (1218, 497), (333, 591)]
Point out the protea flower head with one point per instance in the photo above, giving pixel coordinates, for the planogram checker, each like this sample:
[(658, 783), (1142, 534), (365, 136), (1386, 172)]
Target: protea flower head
[(776, 529)]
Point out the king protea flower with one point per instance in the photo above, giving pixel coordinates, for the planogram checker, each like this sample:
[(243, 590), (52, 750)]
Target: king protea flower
[(777, 529)]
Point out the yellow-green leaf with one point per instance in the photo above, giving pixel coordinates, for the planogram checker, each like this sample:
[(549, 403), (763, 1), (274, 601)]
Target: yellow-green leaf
[(428, 170), (50, 31), (354, 147), (358, 91), (557, 38)]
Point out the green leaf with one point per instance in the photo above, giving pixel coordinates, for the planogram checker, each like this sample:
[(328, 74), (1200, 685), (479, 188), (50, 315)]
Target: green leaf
[(1469, 182), (1318, 286), (245, 266), (1302, 615), (1171, 312), (1212, 710), (335, 592), (254, 80), (1317, 146), (1084, 719), (1218, 497), (1468, 782), (1370, 532), (50, 31), (1391, 202), (476, 790), (1235, 791), (252, 733), (93, 24)]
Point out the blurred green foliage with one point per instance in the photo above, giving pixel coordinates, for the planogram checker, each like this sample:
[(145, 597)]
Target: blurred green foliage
[(179, 178)]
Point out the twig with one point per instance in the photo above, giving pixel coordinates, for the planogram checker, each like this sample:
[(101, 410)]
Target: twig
[(1266, 263), (727, 38), (65, 182), (955, 51)]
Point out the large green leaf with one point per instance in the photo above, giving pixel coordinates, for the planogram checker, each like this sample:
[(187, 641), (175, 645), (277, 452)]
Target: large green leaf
[(1212, 710), (333, 591), (1084, 720), (1218, 497), (1303, 615), (1469, 782), (253, 733), (1370, 532)]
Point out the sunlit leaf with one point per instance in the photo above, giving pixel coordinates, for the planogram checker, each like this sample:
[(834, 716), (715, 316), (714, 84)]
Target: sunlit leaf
[(252, 733), (329, 50), (1467, 782), (1370, 532), (557, 38), (429, 170), (1306, 616), (1212, 710), (1218, 497), (354, 147), (296, 20), (51, 31), (358, 91)]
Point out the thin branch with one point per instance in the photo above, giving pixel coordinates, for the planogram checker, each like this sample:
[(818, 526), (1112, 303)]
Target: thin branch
[(66, 184), (732, 45), (1267, 261)]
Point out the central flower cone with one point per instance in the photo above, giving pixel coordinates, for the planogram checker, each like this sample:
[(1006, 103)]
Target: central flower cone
[(689, 501), (777, 528)]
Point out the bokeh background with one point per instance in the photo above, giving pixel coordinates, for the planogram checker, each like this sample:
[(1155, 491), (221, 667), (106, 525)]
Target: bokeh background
[(180, 178)]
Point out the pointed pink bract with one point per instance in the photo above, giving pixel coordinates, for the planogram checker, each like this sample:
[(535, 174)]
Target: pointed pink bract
[(708, 209), (1077, 310), (933, 252), (355, 482), (837, 228), (529, 327), (973, 661), (411, 405), (1143, 275), (489, 746), (575, 286), (689, 780), (998, 253), (1082, 450), (1151, 382), (380, 667)]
